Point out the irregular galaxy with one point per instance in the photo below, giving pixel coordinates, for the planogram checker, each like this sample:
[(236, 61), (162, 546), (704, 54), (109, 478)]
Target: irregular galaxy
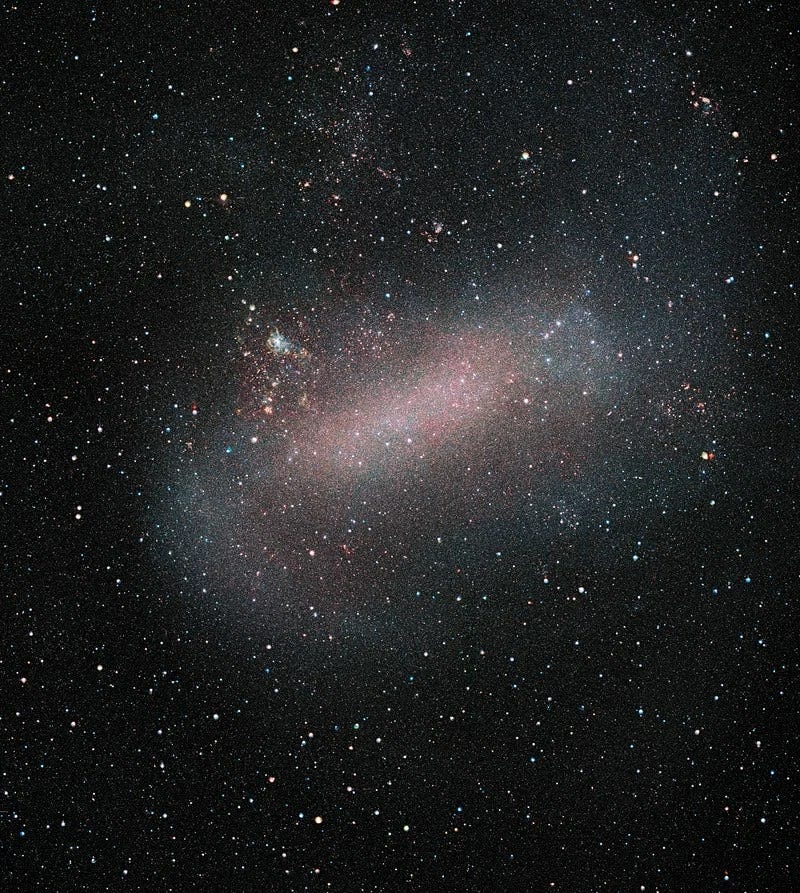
[(486, 419)]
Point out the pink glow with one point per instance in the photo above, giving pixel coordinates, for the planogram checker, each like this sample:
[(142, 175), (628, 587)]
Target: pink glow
[(444, 399)]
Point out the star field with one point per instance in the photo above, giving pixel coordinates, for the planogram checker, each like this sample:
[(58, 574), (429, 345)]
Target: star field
[(400, 447)]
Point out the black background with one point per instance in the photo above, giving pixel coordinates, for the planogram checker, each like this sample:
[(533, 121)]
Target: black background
[(634, 734)]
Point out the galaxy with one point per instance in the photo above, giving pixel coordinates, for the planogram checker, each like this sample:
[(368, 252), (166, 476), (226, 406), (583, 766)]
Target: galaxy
[(390, 424), (400, 448)]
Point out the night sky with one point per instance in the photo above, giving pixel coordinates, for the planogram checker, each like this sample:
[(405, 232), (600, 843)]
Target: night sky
[(399, 448)]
